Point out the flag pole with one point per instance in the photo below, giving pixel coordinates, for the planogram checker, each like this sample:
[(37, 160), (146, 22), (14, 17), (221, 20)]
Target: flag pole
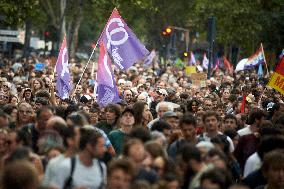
[(264, 59), (93, 51), (86, 65)]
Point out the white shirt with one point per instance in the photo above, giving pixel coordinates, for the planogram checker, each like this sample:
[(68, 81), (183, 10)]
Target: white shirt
[(232, 148), (83, 176), (51, 169), (245, 131), (253, 163)]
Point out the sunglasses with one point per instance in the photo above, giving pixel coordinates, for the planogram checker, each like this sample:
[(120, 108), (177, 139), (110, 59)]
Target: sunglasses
[(160, 93)]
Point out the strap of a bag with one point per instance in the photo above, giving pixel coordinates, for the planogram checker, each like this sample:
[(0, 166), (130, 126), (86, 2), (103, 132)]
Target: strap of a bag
[(69, 180), (102, 175)]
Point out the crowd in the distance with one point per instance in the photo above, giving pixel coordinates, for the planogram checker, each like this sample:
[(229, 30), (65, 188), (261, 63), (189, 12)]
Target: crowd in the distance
[(166, 133)]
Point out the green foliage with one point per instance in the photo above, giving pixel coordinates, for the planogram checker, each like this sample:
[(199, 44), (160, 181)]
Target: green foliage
[(17, 11), (244, 23)]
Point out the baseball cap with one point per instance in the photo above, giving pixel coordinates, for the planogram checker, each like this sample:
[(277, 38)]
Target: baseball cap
[(163, 92), (169, 114), (85, 98)]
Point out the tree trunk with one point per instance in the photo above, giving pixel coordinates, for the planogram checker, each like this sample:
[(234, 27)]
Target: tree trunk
[(27, 37), (75, 29), (62, 20)]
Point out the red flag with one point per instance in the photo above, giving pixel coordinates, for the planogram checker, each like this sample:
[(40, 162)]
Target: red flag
[(243, 106), (228, 65)]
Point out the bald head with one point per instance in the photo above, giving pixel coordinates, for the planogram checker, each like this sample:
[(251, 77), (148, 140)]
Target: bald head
[(55, 121)]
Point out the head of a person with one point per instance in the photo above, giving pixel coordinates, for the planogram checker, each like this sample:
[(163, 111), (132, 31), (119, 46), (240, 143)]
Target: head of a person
[(273, 168), (76, 119), (79, 89), (6, 86), (163, 127), (211, 120), (94, 115), (160, 95), (232, 133), (121, 173), (230, 122), (11, 110), (226, 94), (86, 101), (141, 133), (128, 85), (92, 142), (171, 118), (40, 102), (192, 105), (216, 179), (127, 117), (4, 119), (4, 98), (55, 121), (128, 95), (42, 116), (134, 149), (188, 127), (20, 174), (112, 112), (27, 95), (25, 113), (191, 156), (270, 143), (14, 100), (141, 112), (47, 82), (142, 97), (256, 117), (49, 139), (163, 107), (37, 84)]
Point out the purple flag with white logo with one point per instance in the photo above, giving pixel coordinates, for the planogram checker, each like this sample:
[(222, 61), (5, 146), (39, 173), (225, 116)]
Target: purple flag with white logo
[(121, 43), (107, 91), (63, 84)]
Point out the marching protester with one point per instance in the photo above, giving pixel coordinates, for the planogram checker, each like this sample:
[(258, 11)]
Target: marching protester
[(139, 125)]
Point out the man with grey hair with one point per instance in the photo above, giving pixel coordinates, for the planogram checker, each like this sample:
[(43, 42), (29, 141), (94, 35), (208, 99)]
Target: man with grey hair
[(127, 85), (161, 108)]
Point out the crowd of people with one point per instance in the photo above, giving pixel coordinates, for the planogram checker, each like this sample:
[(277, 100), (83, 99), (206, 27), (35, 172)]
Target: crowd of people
[(166, 133)]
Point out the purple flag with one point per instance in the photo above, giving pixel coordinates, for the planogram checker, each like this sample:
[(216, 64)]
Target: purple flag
[(148, 61), (107, 91), (63, 84), (121, 42)]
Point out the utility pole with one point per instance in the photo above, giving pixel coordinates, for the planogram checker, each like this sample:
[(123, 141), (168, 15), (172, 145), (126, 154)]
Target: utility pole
[(211, 35)]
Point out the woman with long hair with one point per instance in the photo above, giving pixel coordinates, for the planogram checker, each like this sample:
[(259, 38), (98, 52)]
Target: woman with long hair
[(36, 85), (142, 114)]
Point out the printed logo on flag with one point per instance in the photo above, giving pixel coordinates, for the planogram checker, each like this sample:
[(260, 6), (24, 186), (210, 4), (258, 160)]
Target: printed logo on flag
[(107, 91), (121, 43)]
